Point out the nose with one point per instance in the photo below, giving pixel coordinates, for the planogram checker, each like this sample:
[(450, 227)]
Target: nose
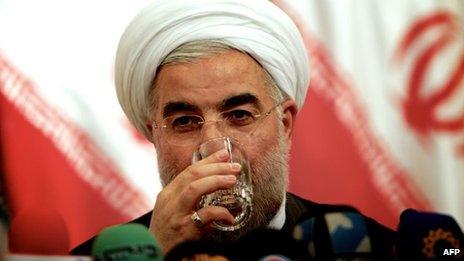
[(210, 130)]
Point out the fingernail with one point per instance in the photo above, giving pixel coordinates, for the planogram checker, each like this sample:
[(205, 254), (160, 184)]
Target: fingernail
[(223, 154), (231, 178), (235, 166)]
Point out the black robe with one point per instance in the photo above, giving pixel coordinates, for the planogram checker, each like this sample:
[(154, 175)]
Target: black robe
[(296, 209)]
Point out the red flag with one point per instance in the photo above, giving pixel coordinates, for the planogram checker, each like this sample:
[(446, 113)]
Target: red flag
[(49, 162), (380, 127)]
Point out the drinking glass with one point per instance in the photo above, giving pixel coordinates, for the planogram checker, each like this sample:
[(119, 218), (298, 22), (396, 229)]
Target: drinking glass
[(238, 199)]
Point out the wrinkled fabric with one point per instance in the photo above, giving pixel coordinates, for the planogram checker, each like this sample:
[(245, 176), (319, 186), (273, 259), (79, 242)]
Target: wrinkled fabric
[(257, 27)]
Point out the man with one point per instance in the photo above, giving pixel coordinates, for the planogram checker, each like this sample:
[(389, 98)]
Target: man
[(179, 61)]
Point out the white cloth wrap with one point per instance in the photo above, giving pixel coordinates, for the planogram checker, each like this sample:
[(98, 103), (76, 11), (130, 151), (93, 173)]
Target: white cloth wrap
[(257, 27)]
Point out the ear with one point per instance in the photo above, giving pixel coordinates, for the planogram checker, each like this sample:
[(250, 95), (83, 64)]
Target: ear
[(289, 110)]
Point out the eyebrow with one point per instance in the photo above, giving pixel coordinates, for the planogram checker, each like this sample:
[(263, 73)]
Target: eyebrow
[(173, 107), (236, 100), (240, 99)]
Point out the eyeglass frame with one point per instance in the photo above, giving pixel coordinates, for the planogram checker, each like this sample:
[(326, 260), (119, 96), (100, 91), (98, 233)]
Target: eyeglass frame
[(203, 122)]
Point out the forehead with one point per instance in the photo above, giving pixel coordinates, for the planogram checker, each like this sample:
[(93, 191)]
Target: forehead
[(209, 80)]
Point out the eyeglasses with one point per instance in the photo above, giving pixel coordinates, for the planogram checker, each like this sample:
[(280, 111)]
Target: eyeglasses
[(185, 129)]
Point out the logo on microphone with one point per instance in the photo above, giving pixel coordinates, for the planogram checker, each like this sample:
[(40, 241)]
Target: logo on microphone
[(128, 252), (440, 241)]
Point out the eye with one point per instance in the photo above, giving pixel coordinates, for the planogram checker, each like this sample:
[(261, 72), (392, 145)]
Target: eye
[(240, 117), (182, 121), (185, 123)]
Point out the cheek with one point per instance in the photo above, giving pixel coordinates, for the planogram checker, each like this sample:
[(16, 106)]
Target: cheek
[(178, 158), (265, 139)]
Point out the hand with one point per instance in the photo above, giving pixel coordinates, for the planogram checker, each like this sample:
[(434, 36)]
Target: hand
[(171, 221)]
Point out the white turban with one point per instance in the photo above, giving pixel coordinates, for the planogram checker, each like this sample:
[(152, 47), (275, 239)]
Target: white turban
[(257, 27)]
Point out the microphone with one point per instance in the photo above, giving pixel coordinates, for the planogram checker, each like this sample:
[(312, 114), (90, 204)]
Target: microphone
[(38, 231), (341, 235), (269, 244), (201, 250), (275, 258), (260, 244), (126, 242), (425, 235)]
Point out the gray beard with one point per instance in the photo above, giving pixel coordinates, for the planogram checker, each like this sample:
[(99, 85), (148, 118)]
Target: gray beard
[(269, 180)]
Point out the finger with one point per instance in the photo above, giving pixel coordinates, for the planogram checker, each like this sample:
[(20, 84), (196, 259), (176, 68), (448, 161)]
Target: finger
[(193, 191), (218, 156), (210, 214), (199, 172), (194, 172)]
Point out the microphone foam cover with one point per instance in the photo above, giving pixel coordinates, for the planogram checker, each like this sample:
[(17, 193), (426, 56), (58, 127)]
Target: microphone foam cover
[(348, 233), (426, 235), (126, 242)]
